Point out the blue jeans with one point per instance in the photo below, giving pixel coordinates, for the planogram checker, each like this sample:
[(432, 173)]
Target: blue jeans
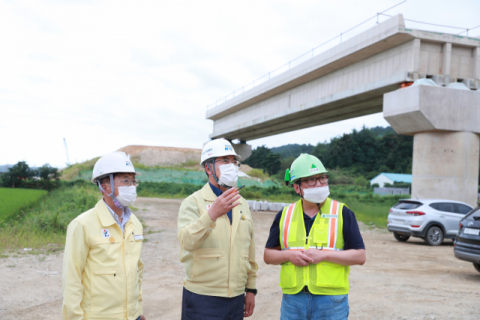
[(303, 306)]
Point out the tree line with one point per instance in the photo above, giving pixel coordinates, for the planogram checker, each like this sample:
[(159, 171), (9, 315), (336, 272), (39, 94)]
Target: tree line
[(21, 175), (366, 153)]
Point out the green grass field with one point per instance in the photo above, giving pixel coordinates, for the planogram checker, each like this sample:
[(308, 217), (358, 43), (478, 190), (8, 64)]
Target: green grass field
[(44, 225), (370, 213), (15, 200)]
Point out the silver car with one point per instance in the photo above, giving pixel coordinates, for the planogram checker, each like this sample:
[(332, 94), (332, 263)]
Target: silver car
[(429, 219)]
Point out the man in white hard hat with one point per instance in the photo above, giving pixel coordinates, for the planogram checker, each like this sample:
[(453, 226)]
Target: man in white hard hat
[(102, 267), (215, 229)]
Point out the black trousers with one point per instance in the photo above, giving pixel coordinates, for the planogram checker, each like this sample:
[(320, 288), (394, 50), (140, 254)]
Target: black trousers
[(200, 307)]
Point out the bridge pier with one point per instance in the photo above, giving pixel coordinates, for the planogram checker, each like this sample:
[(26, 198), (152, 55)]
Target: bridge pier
[(445, 123), (243, 149)]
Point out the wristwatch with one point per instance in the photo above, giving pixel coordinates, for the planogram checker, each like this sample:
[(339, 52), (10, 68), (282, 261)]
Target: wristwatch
[(254, 291)]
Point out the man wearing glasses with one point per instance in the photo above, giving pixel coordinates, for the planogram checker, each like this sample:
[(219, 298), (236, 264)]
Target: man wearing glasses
[(102, 267), (215, 230), (316, 240)]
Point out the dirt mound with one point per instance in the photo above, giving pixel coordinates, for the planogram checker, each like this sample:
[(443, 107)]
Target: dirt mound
[(163, 156)]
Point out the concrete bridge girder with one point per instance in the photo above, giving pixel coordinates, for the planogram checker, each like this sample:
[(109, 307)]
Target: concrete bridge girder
[(364, 73)]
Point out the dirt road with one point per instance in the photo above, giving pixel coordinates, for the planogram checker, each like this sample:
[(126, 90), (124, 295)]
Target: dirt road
[(399, 281)]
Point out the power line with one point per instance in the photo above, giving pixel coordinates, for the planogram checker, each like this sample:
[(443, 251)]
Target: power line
[(393, 6), (468, 30)]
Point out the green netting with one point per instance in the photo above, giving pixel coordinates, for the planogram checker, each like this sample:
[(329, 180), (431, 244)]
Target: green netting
[(164, 175), (180, 176), (251, 182)]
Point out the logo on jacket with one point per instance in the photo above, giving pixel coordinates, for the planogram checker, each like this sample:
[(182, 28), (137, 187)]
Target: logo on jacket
[(105, 233)]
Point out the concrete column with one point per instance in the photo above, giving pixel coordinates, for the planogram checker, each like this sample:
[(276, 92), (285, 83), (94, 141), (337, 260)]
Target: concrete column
[(447, 58), (445, 166), (476, 63), (416, 55), (243, 149)]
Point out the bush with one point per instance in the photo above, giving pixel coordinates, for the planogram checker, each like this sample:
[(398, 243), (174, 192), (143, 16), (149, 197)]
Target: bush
[(360, 181)]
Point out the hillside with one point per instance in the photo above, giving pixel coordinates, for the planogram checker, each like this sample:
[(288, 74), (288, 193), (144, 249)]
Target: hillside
[(147, 157), (151, 156)]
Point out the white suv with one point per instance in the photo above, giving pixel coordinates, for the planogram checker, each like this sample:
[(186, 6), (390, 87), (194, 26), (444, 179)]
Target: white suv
[(429, 219)]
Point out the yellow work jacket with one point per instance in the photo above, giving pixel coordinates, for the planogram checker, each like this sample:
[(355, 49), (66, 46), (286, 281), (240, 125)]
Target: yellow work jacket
[(325, 278), (102, 268), (219, 258)]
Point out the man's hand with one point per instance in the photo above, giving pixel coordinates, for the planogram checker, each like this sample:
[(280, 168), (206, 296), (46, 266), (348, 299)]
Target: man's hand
[(299, 258), (142, 317), (316, 255), (249, 304), (224, 203)]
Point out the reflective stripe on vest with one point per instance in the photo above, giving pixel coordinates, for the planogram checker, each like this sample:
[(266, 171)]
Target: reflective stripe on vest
[(311, 247), (332, 239), (287, 224)]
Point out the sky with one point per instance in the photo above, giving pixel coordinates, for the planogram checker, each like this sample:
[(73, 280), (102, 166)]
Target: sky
[(106, 74)]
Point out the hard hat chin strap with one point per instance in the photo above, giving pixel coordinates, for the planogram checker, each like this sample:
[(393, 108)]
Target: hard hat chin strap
[(219, 184), (112, 194)]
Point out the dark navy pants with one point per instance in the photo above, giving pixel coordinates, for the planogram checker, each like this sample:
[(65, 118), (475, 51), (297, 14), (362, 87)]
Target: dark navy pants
[(200, 307)]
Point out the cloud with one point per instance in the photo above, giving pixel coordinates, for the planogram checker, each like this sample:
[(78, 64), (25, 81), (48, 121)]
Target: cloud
[(32, 18), (43, 57), (37, 80), (105, 74)]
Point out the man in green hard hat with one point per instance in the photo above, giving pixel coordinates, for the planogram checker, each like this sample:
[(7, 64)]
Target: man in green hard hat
[(316, 240)]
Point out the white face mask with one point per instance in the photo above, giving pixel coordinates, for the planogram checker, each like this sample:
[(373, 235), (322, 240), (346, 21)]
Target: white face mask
[(316, 195), (126, 195), (228, 174)]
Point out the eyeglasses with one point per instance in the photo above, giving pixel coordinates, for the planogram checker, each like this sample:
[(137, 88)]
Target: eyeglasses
[(313, 181), (227, 161), (128, 182)]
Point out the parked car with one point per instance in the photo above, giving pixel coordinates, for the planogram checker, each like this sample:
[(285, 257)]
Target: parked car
[(429, 219), (467, 244)]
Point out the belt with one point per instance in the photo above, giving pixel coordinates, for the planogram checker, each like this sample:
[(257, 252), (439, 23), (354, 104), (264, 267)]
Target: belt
[(305, 289)]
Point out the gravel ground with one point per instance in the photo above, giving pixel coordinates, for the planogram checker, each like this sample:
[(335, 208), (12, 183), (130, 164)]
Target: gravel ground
[(399, 280)]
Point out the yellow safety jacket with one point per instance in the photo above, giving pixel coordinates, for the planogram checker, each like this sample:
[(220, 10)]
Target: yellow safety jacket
[(219, 257), (102, 268), (325, 278)]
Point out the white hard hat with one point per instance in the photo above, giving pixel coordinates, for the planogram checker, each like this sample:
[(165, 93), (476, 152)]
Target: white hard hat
[(218, 148), (112, 163)]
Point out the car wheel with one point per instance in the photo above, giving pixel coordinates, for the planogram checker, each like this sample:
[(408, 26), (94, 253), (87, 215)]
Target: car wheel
[(434, 236), (477, 266), (401, 237)]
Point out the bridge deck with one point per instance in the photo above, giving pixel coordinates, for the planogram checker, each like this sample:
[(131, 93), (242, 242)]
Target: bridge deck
[(346, 81)]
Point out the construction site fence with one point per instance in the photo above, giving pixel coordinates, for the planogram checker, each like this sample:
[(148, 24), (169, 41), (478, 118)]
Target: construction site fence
[(255, 205)]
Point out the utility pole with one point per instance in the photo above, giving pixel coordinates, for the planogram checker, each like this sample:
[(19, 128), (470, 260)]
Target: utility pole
[(66, 150)]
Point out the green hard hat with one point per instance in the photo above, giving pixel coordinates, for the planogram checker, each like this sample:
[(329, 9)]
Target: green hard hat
[(304, 166)]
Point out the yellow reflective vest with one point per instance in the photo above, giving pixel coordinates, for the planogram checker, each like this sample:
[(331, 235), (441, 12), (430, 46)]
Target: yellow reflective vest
[(325, 278), (102, 269)]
